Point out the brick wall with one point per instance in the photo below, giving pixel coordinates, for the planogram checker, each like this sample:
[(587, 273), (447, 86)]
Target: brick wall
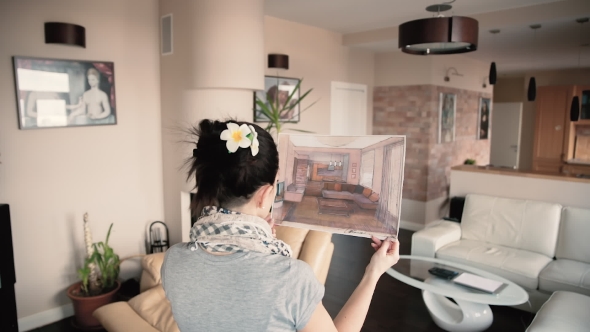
[(413, 111)]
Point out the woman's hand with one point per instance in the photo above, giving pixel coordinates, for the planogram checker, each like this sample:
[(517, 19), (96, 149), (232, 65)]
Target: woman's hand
[(386, 255), (271, 222)]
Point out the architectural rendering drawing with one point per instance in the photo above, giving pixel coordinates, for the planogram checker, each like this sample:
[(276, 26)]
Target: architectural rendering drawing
[(341, 184)]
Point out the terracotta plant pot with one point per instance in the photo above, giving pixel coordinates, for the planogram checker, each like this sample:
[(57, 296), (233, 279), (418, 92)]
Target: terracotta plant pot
[(84, 306)]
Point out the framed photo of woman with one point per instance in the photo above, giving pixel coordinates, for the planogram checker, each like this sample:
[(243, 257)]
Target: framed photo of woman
[(483, 118), (446, 116), (278, 89), (64, 93)]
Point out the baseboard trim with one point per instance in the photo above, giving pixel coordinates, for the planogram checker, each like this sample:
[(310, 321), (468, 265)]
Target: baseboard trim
[(45, 317), (410, 225)]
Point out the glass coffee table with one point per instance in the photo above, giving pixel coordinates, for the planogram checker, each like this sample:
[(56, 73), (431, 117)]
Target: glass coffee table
[(469, 309)]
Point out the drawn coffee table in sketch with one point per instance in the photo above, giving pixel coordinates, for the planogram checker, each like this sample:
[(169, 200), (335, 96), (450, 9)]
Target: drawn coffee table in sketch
[(471, 310), (333, 206)]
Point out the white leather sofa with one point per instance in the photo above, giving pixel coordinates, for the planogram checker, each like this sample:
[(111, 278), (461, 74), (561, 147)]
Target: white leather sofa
[(543, 247)]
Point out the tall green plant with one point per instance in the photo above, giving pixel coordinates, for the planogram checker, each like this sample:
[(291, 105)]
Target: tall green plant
[(103, 262), (275, 112)]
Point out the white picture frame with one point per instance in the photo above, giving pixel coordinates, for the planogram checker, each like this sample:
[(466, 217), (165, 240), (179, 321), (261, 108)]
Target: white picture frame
[(447, 112), (484, 117)]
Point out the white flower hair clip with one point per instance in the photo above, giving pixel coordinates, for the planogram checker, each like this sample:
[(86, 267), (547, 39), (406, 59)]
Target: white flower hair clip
[(240, 137)]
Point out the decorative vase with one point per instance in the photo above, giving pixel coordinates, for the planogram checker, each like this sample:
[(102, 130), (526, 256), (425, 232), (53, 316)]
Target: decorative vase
[(84, 306)]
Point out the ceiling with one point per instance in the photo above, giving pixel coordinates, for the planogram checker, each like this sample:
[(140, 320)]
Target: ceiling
[(514, 49)]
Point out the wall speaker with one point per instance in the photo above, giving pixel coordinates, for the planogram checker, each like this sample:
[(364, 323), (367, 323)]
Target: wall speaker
[(166, 34)]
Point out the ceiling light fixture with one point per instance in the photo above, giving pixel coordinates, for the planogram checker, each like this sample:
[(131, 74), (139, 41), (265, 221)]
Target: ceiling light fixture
[(575, 107), (439, 35), (532, 91), (493, 74)]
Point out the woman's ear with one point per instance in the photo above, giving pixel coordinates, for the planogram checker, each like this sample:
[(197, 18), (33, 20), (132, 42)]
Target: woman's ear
[(262, 194)]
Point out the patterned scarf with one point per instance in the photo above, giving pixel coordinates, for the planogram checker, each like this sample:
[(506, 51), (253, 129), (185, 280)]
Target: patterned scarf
[(221, 230)]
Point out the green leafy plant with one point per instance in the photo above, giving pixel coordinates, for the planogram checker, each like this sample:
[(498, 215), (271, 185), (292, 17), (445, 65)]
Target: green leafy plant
[(277, 112), (469, 162), (101, 268)]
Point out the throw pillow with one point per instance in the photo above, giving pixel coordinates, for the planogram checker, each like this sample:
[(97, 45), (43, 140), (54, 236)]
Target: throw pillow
[(367, 192), (329, 186), (338, 186), (358, 189), (374, 197), (348, 187)]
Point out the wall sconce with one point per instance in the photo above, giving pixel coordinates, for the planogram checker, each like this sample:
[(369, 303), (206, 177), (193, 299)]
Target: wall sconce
[(454, 72), (280, 61), (65, 34), (484, 85)]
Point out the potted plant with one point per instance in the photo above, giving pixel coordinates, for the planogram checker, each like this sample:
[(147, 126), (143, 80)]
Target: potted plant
[(99, 279), (278, 112)]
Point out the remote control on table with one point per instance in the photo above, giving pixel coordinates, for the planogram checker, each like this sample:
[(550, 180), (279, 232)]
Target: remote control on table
[(443, 273)]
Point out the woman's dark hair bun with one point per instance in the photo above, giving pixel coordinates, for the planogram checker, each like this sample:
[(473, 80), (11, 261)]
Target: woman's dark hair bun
[(229, 179)]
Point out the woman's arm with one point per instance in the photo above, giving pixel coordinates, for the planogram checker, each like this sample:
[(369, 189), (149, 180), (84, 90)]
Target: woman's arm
[(352, 316)]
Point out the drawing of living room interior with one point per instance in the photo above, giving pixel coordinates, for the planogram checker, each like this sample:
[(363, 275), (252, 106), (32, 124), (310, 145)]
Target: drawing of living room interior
[(341, 182)]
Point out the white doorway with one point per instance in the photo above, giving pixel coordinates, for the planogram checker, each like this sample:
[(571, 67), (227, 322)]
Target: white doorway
[(348, 111), (505, 144)]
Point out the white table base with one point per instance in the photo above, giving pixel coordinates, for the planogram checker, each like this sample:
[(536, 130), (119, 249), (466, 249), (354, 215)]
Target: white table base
[(462, 316)]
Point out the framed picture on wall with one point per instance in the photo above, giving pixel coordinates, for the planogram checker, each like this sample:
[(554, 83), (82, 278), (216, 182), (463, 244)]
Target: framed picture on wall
[(446, 117), (483, 118), (54, 93), (278, 89)]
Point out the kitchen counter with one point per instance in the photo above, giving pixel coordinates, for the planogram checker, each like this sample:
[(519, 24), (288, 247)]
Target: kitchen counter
[(519, 173)]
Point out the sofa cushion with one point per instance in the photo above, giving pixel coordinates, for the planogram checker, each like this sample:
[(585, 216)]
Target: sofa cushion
[(520, 266), (564, 311), (566, 275), (120, 317), (151, 265), (333, 194), (515, 223), (573, 240), (367, 192), (153, 306), (329, 186), (294, 237), (338, 186), (374, 197), (348, 187), (359, 189)]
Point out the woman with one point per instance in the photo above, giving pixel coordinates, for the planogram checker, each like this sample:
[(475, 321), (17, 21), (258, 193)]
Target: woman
[(94, 106), (234, 274)]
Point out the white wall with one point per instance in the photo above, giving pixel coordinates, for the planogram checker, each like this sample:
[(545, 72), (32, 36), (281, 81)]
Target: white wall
[(566, 193), (50, 177), (317, 56), (401, 69)]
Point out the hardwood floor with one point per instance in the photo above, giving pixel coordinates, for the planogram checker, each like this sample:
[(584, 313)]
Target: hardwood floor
[(395, 305)]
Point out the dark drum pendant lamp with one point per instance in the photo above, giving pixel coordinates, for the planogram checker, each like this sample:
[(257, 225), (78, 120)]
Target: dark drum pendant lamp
[(65, 34), (532, 92), (575, 109), (280, 61), (439, 35), (493, 74)]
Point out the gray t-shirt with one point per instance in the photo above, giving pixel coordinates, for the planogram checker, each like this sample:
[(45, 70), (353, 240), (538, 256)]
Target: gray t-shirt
[(245, 291)]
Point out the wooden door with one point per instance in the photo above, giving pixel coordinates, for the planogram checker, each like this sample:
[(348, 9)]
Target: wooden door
[(552, 108)]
